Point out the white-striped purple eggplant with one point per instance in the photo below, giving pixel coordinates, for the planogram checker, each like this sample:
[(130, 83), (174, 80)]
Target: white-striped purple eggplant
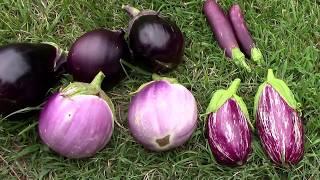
[(162, 115), (78, 121), (228, 127), (243, 35), (278, 122)]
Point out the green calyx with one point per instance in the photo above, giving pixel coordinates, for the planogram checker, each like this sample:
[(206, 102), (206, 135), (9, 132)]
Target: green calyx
[(240, 59), (256, 56), (221, 96), (93, 88), (156, 77), (281, 87)]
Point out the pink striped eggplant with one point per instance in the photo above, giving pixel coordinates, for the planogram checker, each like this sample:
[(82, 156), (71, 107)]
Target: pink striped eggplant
[(228, 127), (278, 122)]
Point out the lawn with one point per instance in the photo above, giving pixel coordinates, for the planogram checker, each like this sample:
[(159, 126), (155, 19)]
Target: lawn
[(287, 32)]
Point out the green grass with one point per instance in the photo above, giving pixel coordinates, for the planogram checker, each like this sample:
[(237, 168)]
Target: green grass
[(287, 32)]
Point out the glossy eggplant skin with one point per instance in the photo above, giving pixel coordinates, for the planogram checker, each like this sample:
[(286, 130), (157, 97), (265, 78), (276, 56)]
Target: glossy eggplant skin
[(280, 128), (229, 134), (26, 74), (157, 44), (98, 49)]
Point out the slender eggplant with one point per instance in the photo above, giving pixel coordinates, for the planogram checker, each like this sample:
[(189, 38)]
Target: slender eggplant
[(223, 31), (279, 124), (228, 127), (27, 71), (243, 35), (157, 44)]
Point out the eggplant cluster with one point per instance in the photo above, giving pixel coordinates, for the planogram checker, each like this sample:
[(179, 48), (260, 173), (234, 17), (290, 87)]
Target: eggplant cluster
[(278, 124)]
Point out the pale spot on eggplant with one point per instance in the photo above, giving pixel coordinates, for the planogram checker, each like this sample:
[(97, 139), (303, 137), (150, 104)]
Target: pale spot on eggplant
[(163, 141)]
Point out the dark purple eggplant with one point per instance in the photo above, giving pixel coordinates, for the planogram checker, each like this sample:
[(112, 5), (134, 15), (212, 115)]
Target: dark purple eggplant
[(223, 32), (98, 50), (157, 44), (279, 124), (228, 127), (27, 71), (243, 35)]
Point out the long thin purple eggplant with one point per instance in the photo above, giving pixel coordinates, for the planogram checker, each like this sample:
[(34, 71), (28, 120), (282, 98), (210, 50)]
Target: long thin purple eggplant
[(222, 29), (243, 35), (279, 125)]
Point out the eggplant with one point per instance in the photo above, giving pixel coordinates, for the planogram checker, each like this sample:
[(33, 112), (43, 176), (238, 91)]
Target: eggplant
[(157, 43), (228, 127), (243, 35), (278, 122), (98, 50), (27, 71), (223, 32)]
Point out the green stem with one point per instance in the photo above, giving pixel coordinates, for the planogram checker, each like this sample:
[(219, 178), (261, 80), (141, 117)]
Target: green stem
[(156, 77), (256, 56), (131, 10), (97, 81), (234, 86), (139, 70), (239, 59), (270, 75)]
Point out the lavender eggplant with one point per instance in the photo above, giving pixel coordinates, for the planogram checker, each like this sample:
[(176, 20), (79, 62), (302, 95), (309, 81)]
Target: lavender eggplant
[(27, 71), (228, 127), (278, 122), (77, 121), (243, 35), (222, 29)]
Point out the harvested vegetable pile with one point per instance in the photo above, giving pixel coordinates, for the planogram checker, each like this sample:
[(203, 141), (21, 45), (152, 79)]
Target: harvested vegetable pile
[(162, 90)]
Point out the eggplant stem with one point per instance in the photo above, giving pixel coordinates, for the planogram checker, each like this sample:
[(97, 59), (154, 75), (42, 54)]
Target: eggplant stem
[(239, 59), (131, 10), (97, 81), (270, 75), (156, 77), (139, 70), (233, 88)]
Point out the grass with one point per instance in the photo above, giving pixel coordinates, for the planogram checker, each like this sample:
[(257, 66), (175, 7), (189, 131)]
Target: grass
[(287, 32)]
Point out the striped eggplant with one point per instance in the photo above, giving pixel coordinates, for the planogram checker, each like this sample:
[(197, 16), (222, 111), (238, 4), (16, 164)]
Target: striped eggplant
[(228, 127), (279, 125)]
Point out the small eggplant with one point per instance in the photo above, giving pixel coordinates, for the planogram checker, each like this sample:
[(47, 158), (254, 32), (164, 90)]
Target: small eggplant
[(27, 71), (279, 125), (243, 35), (228, 127), (78, 121), (157, 44), (223, 32), (98, 50)]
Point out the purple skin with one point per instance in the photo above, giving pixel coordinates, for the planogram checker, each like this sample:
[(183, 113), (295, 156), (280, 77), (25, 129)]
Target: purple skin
[(77, 126), (241, 29), (221, 26), (229, 135), (99, 49), (26, 74), (280, 128), (162, 115)]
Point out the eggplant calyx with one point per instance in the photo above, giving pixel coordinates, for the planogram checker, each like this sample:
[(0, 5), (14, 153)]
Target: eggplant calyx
[(239, 59), (282, 88), (221, 96), (80, 88), (132, 11), (156, 77), (257, 56)]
